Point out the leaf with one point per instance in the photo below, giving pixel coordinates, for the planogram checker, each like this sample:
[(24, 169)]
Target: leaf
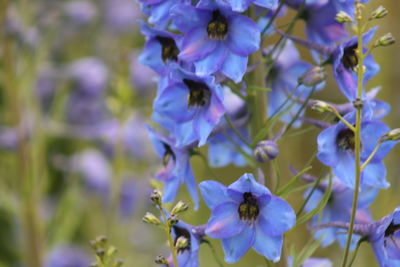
[(284, 190)]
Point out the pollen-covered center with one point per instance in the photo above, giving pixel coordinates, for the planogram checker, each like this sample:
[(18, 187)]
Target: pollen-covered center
[(217, 28), (248, 210), (199, 93), (169, 50), (168, 154), (181, 232), (350, 59), (345, 140)]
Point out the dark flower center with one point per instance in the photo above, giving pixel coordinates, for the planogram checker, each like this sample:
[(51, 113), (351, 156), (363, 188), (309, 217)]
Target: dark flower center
[(169, 50), (305, 15), (389, 232), (168, 154), (199, 93), (179, 231), (345, 140), (248, 209), (350, 59), (217, 28)]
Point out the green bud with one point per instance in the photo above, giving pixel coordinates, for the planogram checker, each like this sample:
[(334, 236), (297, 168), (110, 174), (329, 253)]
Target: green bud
[(343, 17), (160, 259), (385, 40), (173, 220), (393, 135), (156, 197), (111, 251), (313, 76), (379, 13), (179, 207), (181, 243), (321, 106), (151, 218)]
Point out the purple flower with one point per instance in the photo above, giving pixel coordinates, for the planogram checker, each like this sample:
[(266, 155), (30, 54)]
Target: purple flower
[(80, 11), (194, 104), (246, 214), (345, 61), (66, 256), (159, 11), (385, 239), (338, 209), (319, 17), (176, 168), (283, 80), (336, 149), (121, 15), (216, 39), (160, 49), (188, 256), (242, 5), (312, 262)]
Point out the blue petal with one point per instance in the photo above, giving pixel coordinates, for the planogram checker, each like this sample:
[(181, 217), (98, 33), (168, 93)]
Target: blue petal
[(191, 184), (239, 5), (345, 167), (214, 193), (234, 66), (374, 174), (270, 4), (327, 148), (276, 217), (244, 36), (268, 246), (371, 132), (170, 189), (196, 45), (213, 62), (151, 56), (247, 183), (187, 17), (236, 246), (225, 221)]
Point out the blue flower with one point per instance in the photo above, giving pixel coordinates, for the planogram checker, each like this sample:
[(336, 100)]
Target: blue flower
[(345, 61), (159, 11), (320, 24), (176, 168), (338, 209), (160, 49), (246, 214), (385, 239), (192, 103), (242, 5), (283, 80), (216, 39), (336, 150), (188, 256)]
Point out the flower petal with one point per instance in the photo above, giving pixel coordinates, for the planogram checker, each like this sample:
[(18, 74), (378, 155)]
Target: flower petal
[(236, 246), (268, 246), (374, 174), (244, 36), (247, 183), (196, 45), (234, 66), (214, 193), (212, 62)]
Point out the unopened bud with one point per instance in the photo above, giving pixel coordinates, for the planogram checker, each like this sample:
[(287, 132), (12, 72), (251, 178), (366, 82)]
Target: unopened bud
[(111, 251), (100, 253), (385, 40), (179, 207), (321, 106), (181, 243), (379, 13), (151, 218), (393, 135), (172, 220), (156, 197), (343, 17), (160, 259), (118, 263), (313, 76), (265, 151)]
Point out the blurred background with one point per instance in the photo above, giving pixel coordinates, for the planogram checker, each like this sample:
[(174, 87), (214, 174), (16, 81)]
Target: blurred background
[(80, 164)]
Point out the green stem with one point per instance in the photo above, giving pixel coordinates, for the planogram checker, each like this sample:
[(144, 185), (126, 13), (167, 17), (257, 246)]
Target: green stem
[(360, 70), (167, 229), (371, 155), (351, 127)]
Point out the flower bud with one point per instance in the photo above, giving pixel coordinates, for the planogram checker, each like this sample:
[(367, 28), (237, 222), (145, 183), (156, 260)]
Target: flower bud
[(181, 243), (393, 135), (160, 259), (118, 263), (265, 151), (385, 40), (156, 197), (379, 13), (179, 207), (343, 17), (151, 218), (313, 76), (172, 220), (321, 106)]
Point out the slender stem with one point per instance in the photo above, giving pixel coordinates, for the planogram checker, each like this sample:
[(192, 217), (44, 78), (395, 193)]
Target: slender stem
[(351, 127), (169, 237), (360, 74), (371, 155)]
